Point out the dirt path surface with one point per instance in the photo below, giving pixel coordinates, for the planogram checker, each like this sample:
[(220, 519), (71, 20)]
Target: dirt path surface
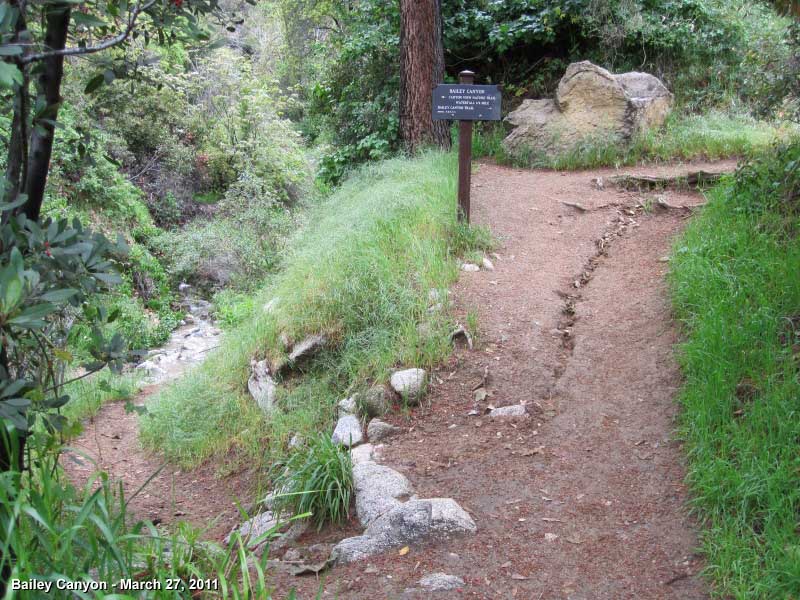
[(583, 499)]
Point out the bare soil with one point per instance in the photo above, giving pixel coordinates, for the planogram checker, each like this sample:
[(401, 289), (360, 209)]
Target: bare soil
[(584, 498)]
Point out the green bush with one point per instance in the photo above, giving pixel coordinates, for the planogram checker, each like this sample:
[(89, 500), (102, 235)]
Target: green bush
[(317, 478)]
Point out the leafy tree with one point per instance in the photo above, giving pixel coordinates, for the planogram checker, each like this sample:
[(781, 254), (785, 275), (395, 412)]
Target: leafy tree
[(37, 37)]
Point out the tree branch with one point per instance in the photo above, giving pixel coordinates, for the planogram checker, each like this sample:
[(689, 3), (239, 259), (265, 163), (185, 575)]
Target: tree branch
[(111, 42)]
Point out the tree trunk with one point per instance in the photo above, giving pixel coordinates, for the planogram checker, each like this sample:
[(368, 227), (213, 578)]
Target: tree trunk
[(48, 87), (18, 140), (421, 69)]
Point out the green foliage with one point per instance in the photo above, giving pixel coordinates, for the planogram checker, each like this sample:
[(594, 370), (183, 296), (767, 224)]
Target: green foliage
[(317, 478), (359, 271), (57, 531), (51, 272), (735, 287), (350, 81)]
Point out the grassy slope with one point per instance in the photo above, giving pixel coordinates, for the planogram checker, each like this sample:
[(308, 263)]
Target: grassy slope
[(736, 286), (684, 137), (361, 271)]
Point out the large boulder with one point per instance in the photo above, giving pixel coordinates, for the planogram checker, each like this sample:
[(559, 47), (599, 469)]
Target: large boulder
[(590, 104)]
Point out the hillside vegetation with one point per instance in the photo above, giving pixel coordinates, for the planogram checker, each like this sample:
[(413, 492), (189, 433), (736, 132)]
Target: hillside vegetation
[(361, 271)]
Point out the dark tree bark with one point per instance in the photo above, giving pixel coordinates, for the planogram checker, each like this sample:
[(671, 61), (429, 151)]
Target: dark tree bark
[(49, 87), (421, 69), (18, 141)]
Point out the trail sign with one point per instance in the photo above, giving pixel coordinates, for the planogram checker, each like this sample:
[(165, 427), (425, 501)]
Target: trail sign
[(465, 103), (462, 102)]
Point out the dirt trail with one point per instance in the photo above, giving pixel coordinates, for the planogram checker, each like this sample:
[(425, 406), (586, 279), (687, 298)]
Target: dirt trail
[(581, 332), (583, 500)]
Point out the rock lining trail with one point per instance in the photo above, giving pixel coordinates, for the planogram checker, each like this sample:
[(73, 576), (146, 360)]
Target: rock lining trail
[(582, 497)]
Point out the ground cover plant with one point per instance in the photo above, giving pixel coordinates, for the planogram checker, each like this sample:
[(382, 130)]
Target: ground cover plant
[(736, 291)]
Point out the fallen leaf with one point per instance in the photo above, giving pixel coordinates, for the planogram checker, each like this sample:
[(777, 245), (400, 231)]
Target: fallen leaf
[(480, 394), (518, 577), (404, 550)]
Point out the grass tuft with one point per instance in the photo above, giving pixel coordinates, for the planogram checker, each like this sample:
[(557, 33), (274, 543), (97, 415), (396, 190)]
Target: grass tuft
[(317, 479)]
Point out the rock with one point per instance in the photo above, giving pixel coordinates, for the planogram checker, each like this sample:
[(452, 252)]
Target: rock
[(307, 348), (378, 430), (470, 267), (261, 386), (375, 401), (515, 410), (378, 489), (348, 431), (411, 522), (590, 103), (487, 264), (151, 369), (362, 454), (410, 384), (347, 406), (255, 527), (440, 582)]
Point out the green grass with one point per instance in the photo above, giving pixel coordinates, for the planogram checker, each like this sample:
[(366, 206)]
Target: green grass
[(684, 137), (736, 287), (88, 395), (316, 479), (359, 271)]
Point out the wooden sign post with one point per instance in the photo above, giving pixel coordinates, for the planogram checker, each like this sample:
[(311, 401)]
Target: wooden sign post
[(466, 103)]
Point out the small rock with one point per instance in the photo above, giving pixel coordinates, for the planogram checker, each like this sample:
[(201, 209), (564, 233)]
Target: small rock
[(515, 410), (348, 431), (378, 430), (254, 528), (470, 267), (261, 386), (410, 384), (439, 582), (348, 406), (487, 264), (376, 403), (292, 554), (308, 347)]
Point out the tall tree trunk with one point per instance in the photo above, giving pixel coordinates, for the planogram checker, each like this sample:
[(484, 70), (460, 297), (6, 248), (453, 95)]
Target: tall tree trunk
[(48, 87), (421, 68)]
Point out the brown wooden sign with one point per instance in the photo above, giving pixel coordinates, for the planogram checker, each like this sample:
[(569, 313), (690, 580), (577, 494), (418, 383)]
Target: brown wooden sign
[(460, 102), (465, 102)]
